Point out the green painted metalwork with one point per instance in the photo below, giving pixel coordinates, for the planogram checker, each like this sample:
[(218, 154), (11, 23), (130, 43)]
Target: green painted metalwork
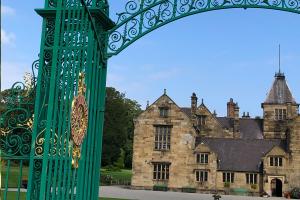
[(77, 38), (70, 45), (16, 133), (140, 17)]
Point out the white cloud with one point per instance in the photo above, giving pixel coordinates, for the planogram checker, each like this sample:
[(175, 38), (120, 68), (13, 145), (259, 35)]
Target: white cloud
[(7, 11), (13, 72), (7, 38)]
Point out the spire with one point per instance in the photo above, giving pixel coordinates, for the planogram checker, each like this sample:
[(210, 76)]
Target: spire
[(280, 92), (279, 60), (279, 73)]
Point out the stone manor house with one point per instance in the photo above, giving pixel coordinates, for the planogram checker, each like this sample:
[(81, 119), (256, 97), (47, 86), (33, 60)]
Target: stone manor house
[(192, 147)]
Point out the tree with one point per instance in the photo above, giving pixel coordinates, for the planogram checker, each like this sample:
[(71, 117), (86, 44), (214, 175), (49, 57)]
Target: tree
[(118, 128)]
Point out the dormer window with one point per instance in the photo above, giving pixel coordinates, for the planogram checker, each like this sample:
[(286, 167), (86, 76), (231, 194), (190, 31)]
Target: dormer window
[(280, 114), (276, 161), (201, 120), (202, 158), (163, 111)]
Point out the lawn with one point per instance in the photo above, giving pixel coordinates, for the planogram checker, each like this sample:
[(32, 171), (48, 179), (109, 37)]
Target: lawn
[(13, 175), (13, 195), (116, 177)]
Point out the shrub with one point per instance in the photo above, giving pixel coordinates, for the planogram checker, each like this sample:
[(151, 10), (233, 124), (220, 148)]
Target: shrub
[(160, 188), (112, 168), (227, 184), (253, 186), (106, 180), (188, 189), (295, 193)]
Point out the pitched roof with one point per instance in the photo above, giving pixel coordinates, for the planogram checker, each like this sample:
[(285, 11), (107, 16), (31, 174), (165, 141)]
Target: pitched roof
[(280, 92), (187, 111), (226, 122), (251, 128), (238, 154)]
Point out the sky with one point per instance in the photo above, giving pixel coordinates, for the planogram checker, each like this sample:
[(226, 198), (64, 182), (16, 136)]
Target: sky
[(218, 55)]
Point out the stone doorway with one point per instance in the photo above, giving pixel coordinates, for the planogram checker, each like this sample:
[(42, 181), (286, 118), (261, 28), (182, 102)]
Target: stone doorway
[(276, 187)]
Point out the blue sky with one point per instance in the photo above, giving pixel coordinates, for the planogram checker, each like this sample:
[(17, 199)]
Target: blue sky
[(217, 55)]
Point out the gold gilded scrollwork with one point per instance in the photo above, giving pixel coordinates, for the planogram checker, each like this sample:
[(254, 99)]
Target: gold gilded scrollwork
[(76, 156)]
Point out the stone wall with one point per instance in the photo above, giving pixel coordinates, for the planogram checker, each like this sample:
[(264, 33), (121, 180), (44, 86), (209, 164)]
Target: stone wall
[(179, 155), (182, 153)]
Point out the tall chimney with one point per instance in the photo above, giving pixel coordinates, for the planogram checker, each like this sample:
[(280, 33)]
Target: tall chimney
[(236, 121), (193, 103), (230, 108)]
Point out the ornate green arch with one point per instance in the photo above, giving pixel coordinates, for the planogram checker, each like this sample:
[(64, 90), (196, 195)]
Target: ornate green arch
[(143, 16)]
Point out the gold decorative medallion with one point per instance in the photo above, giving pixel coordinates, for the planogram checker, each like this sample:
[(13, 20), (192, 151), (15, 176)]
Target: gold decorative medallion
[(79, 119)]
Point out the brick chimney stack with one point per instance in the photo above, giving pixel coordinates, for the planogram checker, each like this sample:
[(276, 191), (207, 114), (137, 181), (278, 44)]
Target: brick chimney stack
[(230, 108)]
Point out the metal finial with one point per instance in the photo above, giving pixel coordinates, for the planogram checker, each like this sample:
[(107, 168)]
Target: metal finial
[(279, 60), (147, 104), (165, 91)]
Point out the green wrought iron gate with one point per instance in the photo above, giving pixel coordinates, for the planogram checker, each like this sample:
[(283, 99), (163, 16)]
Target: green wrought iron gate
[(61, 142), (63, 147), (65, 157)]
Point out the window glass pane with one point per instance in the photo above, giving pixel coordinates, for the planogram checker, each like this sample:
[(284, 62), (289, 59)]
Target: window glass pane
[(227, 177), (271, 161), (280, 162), (167, 171), (232, 177)]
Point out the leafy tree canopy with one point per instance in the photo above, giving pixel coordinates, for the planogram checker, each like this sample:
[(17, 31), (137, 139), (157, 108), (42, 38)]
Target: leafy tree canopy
[(118, 128)]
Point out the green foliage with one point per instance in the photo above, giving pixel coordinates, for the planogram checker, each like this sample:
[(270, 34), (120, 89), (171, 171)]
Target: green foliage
[(254, 186), (120, 162), (12, 195), (109, 176), (188, 189), (118, 128), (13, 174), (295, 193), (112, 168), (160, 187), (227, 184)]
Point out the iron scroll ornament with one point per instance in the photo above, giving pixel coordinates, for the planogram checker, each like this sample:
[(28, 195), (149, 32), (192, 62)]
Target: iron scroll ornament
[(143, 16)]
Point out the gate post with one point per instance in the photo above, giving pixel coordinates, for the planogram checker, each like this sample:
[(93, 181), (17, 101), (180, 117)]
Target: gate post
[(73, 60)]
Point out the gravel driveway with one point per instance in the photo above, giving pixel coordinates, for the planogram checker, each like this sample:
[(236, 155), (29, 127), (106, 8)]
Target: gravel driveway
[(118, 192)]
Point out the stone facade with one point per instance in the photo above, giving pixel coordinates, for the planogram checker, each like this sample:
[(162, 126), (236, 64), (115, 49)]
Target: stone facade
[(193, 148)]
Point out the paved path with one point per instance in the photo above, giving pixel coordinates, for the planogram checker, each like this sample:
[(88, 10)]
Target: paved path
[(118, 192)]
